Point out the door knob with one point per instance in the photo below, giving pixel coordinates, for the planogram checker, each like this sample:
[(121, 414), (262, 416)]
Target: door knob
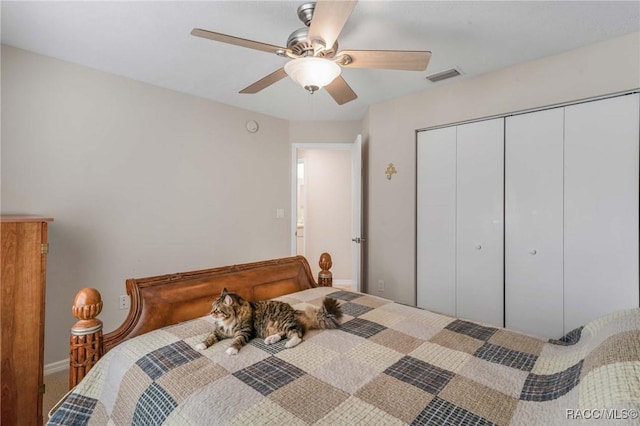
[(533, 251)]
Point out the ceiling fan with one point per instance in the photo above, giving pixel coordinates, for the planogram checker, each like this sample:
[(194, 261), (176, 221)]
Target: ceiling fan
[(315, 58)]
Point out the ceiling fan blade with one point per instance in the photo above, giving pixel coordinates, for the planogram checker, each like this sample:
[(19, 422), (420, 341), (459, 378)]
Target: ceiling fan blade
[(224, 38), (329, 17), (265, 82), (340, 91), (410, 60)]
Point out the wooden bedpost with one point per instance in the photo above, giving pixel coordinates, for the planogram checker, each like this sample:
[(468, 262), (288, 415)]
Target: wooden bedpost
[(325, 277), (86, 347)]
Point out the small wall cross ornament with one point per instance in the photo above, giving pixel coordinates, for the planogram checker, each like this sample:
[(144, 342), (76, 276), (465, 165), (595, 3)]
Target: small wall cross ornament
[(391, 170)]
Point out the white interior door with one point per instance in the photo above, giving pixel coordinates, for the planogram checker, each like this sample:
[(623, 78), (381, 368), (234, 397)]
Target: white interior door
[(479, 221), (601, 208), (534, 145), (357, 239), (436, 220)]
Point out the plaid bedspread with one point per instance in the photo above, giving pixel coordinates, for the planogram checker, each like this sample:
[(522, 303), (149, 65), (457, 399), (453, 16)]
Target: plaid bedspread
[(387, 364)]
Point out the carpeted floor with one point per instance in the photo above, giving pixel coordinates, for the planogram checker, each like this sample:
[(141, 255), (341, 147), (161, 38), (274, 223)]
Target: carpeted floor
[(56, 386)]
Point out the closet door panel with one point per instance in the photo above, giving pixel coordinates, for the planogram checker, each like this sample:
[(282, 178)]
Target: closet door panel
[(601, 208), (533, 222), (479, 227), (436, 207)]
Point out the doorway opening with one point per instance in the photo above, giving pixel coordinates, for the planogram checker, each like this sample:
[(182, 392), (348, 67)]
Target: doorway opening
[(326, 201)]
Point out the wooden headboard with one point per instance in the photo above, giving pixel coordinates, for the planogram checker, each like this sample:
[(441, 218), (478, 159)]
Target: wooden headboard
[(164, 300)]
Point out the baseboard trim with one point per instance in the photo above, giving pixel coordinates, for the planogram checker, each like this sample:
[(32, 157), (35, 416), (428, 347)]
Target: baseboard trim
[(56, 367), (343, 284)]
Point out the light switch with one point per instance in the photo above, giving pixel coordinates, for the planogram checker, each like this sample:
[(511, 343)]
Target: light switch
[(279, 213)]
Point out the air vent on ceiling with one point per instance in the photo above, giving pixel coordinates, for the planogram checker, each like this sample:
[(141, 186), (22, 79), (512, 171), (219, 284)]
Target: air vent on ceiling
[(443, 75)]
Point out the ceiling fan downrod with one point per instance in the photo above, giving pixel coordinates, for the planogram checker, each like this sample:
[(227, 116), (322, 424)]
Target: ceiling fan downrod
[(305, 12)]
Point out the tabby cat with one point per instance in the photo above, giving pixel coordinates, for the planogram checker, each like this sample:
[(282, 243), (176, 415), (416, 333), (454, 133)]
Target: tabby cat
[(271, 320)]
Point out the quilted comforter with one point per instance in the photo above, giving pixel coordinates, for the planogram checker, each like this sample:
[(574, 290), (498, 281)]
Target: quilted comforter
[(387, 364)]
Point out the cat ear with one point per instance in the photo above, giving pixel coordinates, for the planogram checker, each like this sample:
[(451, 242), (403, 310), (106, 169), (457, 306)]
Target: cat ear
[(224, 292), (228, 300)]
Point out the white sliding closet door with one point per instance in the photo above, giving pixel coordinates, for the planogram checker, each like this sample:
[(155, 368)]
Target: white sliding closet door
[(601, 208), (479, 226), (436, 213), (460, 221), (571, 217), (533, 222)]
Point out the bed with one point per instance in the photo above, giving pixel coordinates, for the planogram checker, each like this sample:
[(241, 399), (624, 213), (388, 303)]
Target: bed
[(388, 363)]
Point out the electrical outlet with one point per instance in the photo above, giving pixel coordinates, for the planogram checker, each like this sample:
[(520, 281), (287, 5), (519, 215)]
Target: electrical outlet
[(124, 302), (380, 285)]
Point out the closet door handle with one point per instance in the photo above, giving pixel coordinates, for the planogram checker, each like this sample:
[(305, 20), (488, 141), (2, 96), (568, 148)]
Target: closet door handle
[(478, 246), (533, 252)]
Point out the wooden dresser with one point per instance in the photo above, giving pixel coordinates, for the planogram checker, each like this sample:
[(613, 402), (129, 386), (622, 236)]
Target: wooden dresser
[(24, 254)]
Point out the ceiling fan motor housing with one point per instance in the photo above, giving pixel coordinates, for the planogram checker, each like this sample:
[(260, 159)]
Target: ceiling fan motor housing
[(299, 43)]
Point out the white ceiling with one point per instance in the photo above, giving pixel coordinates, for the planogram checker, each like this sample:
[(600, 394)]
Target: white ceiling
[(150, 41)]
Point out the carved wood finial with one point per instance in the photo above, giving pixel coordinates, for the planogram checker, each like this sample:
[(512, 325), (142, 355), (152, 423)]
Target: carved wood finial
[(86, 345), (87, 306), (325, 277)]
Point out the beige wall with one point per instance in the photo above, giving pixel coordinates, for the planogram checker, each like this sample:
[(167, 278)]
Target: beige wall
[(324, 131), (140, 180), (600, 69)]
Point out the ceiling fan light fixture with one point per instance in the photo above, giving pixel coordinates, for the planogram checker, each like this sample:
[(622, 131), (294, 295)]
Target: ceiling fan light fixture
[(312, 73)]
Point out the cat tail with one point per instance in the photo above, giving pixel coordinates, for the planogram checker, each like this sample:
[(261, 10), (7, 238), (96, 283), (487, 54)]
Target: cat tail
[(326, 316)]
